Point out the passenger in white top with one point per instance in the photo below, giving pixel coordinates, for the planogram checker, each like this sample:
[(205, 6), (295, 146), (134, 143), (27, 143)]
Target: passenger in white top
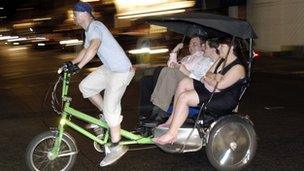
[(194, 66)]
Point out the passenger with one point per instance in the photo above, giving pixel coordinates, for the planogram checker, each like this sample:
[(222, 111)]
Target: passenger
[(226, 82), (147, 110), (193, 66)]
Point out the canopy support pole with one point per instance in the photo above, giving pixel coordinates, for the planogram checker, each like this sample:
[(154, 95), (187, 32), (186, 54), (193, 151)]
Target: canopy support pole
[(250, 57)]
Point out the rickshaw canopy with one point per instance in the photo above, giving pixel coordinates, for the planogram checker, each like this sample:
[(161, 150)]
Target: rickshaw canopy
[(209, 25)]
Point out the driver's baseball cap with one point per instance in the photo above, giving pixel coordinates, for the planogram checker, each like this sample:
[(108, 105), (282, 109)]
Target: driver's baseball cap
[(83, 7)]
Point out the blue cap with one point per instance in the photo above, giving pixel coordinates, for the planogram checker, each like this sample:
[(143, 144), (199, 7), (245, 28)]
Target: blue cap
[(83, 7)]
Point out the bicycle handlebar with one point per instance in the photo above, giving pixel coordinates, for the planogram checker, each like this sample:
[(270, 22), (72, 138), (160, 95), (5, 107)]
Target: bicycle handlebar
[(68, 67), (60, 69)]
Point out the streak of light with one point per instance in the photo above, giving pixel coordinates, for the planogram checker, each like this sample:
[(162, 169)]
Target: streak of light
[(151, 14), (17, 48), (148, 51), (42, 19)]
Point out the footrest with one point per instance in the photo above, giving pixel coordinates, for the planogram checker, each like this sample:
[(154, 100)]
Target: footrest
[(193, 143)]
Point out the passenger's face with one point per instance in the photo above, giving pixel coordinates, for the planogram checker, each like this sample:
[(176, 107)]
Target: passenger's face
[(210, 52), (223, 49), (195, 45)]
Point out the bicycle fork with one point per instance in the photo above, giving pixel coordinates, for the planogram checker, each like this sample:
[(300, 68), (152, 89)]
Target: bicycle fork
[(58, 138)]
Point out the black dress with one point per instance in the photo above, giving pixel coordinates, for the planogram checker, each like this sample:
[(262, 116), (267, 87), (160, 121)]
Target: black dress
[(226, 100)]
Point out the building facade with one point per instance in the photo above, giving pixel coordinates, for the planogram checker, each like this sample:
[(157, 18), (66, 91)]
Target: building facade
[(279, 24)]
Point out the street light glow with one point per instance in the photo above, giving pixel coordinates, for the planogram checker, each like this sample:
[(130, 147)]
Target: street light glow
[(148, 51), (151, 14), (42, 19), (158, 51), (89, 0), (139, 51), (23, 25), (134, 8), (3, 29), (71, 42), (17, 48), (17, 39), (8, 37)]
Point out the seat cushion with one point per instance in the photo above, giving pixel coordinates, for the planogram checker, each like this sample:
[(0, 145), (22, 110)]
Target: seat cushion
[(193, 111)]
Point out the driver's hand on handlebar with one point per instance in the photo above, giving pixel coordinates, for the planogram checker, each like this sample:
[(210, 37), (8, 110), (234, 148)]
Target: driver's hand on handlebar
[(71, 68), (74, 69)]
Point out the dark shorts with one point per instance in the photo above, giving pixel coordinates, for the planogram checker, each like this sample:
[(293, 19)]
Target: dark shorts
[(222, 102), (202, 92)]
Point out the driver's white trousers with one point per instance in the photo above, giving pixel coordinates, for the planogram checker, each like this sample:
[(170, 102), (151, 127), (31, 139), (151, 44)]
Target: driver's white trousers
[(114, 85)]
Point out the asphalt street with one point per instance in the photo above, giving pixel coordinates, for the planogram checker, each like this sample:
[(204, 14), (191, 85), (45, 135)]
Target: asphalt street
[(274, 103)]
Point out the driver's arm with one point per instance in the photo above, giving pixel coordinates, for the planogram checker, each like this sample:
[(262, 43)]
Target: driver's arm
[(79, 57), (90, 52)]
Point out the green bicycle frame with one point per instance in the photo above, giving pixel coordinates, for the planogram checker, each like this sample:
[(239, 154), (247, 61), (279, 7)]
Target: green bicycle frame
[(67, 114)]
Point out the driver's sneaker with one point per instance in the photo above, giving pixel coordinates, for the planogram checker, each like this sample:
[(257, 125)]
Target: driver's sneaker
[(113, 154)]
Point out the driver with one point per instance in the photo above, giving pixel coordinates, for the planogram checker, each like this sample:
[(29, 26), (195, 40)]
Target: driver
[(113, 76)]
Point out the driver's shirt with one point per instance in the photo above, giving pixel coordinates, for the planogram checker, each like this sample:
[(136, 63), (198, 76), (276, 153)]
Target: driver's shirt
[(110, 52)]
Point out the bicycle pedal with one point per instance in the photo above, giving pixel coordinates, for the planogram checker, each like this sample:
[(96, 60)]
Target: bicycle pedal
[(99, 148)]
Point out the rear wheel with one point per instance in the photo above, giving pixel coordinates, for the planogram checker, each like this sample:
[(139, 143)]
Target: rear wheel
[(232, 143), (38, 152)]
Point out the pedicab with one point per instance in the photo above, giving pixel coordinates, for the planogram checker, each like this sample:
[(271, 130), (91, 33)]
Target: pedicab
[(229, 138)]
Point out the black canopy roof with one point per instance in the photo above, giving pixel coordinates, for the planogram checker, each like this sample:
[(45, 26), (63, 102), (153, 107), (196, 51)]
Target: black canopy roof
[(210, 25)]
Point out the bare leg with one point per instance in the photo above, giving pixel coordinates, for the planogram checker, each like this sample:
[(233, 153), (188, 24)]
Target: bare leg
[(97, 101), (185, 85), (186, 99), (115, 133)]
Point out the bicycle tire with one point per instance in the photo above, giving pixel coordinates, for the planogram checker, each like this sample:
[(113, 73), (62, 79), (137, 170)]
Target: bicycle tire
[(46, 141)]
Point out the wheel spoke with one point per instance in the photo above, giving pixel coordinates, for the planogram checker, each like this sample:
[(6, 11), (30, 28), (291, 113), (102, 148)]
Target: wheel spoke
[(46, 165), (39, 157), (41, 163), (42, 151), (67, 153)]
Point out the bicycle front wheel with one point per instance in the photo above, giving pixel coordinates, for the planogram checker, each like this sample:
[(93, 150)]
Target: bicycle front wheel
[(37, 153)]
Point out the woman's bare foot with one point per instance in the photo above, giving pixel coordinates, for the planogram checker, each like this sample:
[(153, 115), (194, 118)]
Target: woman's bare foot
[(165, 139)]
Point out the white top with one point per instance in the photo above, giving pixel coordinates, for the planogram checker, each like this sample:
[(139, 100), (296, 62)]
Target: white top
[(197, 64), (110, 52)]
